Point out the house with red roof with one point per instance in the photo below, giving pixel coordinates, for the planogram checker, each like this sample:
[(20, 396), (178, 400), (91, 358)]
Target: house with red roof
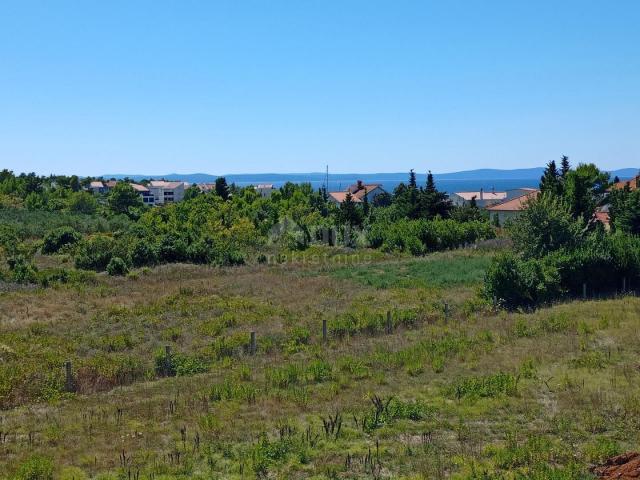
[(511, 208), (358, 192)]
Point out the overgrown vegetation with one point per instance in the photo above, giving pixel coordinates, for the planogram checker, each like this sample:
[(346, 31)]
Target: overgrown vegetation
[(116, 232), (561, 250), (417, 374)]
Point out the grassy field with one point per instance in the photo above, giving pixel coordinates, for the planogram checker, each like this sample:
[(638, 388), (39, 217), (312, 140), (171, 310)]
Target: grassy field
[(456, 392)]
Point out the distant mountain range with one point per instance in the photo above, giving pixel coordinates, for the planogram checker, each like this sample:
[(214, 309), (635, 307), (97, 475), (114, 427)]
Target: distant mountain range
[(486, 178), (244, 178)]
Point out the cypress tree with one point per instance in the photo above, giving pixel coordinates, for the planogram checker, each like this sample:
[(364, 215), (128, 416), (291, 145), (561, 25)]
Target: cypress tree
[(412, 179), (550, 180), (431, 184), (564, 166)]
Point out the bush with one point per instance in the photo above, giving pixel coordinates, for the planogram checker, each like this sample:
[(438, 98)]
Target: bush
[(172, 248), (421, 236), (484, 387), (35, 468), (546, 225), (117, 266), (61, 237), (22, 270), (95, 253), (164, 364), (143, 253), (514, 282), (186, 365), (52, 276)]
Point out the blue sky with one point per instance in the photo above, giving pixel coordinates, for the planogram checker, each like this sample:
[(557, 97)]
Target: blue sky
[(154, 87)]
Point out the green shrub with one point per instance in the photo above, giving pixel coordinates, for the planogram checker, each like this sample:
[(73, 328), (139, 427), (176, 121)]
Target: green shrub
[(35, 468), (143, 253), (186, 365), (319, 371), (546, 225), (117, 266), (164, 364), (600, 449), (95, 253), (61, 237), (285, 376), (107, 370), (22, 270), (514, 282), (421, 236), (227, 346), (172, 248), (486, 386), (229, 390)]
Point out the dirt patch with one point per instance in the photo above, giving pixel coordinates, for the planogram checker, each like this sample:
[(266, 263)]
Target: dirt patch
[(621, 467)]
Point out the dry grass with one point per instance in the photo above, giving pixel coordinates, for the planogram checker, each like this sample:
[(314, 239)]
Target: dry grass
[(575, 366)]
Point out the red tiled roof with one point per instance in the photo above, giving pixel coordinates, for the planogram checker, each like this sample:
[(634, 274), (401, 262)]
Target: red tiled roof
[(515, 204), (139, 188), (341, 196), (602, 217), (165, 184), (632, 182)]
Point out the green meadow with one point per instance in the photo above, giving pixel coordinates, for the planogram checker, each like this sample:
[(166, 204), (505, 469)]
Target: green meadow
[(463, 392)]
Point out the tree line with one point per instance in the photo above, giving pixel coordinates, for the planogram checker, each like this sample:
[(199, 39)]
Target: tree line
[(228, 225), (561, 246)]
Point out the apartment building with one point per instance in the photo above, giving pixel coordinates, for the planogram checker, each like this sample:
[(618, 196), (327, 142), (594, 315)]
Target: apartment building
[(166, 192)]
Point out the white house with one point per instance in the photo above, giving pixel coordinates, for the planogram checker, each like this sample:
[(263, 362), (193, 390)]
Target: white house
[(483, 199), (97, 187), (166, 192), (144, 192), (264, 189)]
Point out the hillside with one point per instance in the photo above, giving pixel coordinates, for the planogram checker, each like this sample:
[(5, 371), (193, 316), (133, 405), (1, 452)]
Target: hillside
[(459, 391)]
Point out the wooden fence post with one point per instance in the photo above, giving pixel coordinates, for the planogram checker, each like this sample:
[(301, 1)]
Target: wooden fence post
[(389, 322), (68, 377), (252, 345), (584, 291), (446, 310), (624, 284)]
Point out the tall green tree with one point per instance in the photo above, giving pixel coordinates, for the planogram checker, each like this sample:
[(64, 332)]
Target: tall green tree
[(349, 212), (564, 166), (123, 198), (192, 192), (544, 226), (624, 210), (82, 202), (412, 179), (432, 202), (222, 189), (584, 189), (550, 182), (431, 184)]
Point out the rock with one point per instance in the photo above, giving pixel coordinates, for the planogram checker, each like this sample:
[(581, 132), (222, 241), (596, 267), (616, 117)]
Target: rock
[(621, 467)]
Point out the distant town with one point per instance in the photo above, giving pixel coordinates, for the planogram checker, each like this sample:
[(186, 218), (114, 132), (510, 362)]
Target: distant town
[(501, 205)]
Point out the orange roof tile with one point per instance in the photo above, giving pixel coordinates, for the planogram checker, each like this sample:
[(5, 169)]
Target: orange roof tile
[(515, 204), (341, 196), (632, 182)]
